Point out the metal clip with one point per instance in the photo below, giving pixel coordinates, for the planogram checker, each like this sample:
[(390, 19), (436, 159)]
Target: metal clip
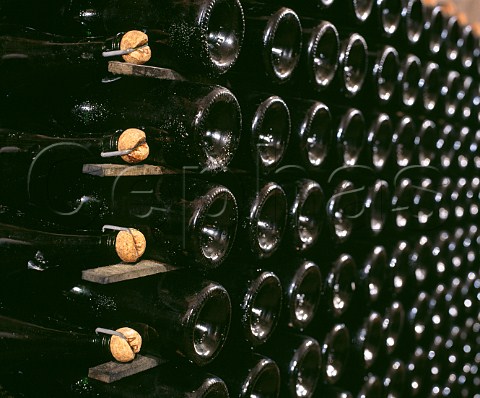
[(110, 332), (116, 53), (122, 153)]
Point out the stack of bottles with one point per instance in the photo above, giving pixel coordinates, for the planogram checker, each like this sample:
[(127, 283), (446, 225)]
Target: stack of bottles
[(306, 172)]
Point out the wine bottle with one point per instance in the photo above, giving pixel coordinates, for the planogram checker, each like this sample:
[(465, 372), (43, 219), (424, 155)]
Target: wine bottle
[(320, 51), (373, 278), (404, 143), (299, 359), (401, 274), (24, 249), (388, 16), (409, 77), (341, 287), (351, 137), (206, 35), (351, 12), (467, 51), (419, 320), (372, 387), (305, 216), (353, 65), (311, 139), (435, 30), (385, 67), (426, 141), (417, 368), (335, 353), (377, 208), (421, 260), (395, 379), (272, 45), (256, 304), (176, 313), (380, 141), (28, 54), (431, 86), (267, 127), (263, 215), (24, 345), (393, 327), (205, 120), (445, 145), (130, 146), (413, 21), (470, 88), (302, 286), (453, 94), (343, 209), (453, 39), (367, 344), (253, 375)]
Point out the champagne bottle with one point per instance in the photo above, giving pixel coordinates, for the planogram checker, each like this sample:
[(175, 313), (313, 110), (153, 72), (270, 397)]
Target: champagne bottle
[(431, 86), (434, 30), (205, 120), (351, 138), (413, 21), (419, 320), (367, 344), (341, 286), (373, 278), (320, 50), (206, 35), (305, 216), (426, 140), (404, 142), (263, 219), (388, 17), (353, 65), (372, 387), (299, 359), (266, 133), (395, 379), (377, 208), (453, 90), (467, 51), (417, 368), (256, 304), (351, 12), (176, 313), (453, 39), (22, 249), (401, 274), (24, 344), (253, 375), (335, 353), (273, 41), (380, 141), (302, 286), (409, 79), (445, 145), (393, 327), (383, 79), (311, 140)]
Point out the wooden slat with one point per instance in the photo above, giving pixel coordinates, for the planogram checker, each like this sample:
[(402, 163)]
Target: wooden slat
[(110, 372), (124, 68), (116, 170), (122, 272)]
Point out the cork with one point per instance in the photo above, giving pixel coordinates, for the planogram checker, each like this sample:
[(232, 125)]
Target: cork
[(125, 350), (134, 39), (430, 3), (130, 245), (129, 139)]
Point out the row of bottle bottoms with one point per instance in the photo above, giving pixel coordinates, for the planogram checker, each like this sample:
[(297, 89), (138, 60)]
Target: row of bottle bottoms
[(210, 36), (194, 223), (199, 128), (350, 70), (197, 324)]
